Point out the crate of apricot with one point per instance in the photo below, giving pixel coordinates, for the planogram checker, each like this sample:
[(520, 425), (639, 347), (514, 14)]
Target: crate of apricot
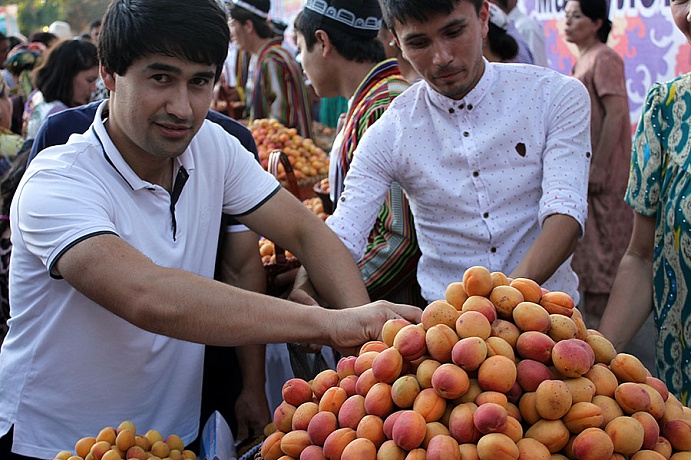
[(124, 442), (310, 163), (499, 369)]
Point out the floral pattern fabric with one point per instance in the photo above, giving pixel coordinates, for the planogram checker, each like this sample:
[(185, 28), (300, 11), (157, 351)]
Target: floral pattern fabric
[(659, 187)]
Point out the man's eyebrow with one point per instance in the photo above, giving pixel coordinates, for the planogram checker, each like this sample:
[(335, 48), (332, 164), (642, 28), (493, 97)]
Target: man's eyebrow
[(454, 23), (164, 67), (159, 66)]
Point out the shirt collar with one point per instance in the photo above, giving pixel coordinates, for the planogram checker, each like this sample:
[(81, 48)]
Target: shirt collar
[(115, 159), (472, 99)]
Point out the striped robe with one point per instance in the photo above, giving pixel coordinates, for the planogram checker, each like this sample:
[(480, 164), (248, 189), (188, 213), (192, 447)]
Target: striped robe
[(389, 266), (279, 90)]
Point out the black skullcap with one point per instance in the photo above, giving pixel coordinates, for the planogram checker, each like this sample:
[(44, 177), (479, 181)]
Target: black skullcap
[(259, 9), (356, 17)]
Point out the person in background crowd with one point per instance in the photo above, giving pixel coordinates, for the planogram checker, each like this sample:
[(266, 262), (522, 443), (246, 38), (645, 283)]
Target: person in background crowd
[(654, 273), (493, 157), (525, 29), (16, 39), (229, 94), (47, 38), (525, 54), (61, 29), (10, 143), (347, 59), (4, 47), (110, 280), (275, 87), (20, 64), (66, 78), (101, 92), (498, 45), (8, 184), (95, 30), (609, 222)]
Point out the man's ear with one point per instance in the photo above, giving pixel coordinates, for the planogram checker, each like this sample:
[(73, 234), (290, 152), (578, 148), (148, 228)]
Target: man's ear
[(323, 42), (108, 78)]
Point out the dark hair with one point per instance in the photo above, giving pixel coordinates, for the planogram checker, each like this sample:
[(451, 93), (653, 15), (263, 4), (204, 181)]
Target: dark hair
[(53, 77), (14, 41), (95, 24), (193, 30), (598, 9), (47, 38), (263, 27), (419, 10), (503, 4), (351, 47), (501, 43)]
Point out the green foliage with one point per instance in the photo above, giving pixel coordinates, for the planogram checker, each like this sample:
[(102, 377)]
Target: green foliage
[(34, 15)]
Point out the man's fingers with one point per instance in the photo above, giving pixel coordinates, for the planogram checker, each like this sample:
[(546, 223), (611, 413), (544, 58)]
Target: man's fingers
[(408, 312)]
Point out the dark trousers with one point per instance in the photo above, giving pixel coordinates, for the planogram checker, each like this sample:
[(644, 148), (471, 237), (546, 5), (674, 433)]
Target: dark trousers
[(6, 448)]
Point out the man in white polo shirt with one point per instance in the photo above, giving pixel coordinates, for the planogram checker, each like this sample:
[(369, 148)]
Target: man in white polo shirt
[(115, 237)]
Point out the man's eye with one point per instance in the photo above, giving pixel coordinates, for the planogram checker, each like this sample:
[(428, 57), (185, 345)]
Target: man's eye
[(161, 78), (200, 81), (417, 44)]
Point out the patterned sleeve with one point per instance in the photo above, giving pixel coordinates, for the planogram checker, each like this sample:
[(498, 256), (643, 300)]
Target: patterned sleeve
[(643, 193), (392, 252)]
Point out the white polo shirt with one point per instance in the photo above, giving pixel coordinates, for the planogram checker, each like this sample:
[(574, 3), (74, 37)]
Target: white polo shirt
[(68, 366), (481, 173)]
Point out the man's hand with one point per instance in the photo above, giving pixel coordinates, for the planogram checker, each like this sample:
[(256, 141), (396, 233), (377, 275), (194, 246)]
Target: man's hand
[(252, 413), (352, 327), (303, 292)]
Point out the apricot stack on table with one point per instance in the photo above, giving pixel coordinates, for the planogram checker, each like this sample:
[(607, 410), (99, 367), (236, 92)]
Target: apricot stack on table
[(499, 369), (124, 442)]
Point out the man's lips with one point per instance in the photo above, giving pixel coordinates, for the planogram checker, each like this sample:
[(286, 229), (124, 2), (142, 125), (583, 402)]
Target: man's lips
[(174, 130), (446, 76)]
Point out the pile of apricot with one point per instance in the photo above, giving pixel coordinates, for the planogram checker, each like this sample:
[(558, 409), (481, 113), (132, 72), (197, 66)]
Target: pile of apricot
[(499, 369)]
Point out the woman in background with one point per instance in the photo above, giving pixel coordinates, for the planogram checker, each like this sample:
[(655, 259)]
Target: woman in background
[(10, 143), (655, 272), (66, 78), (609, 222)]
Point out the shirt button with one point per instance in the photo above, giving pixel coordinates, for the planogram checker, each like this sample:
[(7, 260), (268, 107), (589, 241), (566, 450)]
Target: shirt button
[(466, 134), (485, 215), (451, 110), (461, 106), (493, 250), (476, 173), (342, 199), (470, 106)]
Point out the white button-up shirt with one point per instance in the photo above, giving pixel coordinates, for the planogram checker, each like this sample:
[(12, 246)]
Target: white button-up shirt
[(481, 173)]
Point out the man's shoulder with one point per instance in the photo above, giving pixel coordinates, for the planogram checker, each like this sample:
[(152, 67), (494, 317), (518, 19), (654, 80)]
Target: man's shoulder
[(74, 118), (231, 126), (532, 74)]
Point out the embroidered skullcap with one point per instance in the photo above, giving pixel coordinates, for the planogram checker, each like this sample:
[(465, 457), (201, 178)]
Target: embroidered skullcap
[(253, 7), (362, 18), (498, 17)]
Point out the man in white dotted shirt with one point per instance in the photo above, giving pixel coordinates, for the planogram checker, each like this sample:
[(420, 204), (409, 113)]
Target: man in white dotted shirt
[(493, 157)]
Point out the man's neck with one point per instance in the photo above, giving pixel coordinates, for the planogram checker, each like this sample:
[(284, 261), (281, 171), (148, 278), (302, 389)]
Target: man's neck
[(256, 44), (353, 77)]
